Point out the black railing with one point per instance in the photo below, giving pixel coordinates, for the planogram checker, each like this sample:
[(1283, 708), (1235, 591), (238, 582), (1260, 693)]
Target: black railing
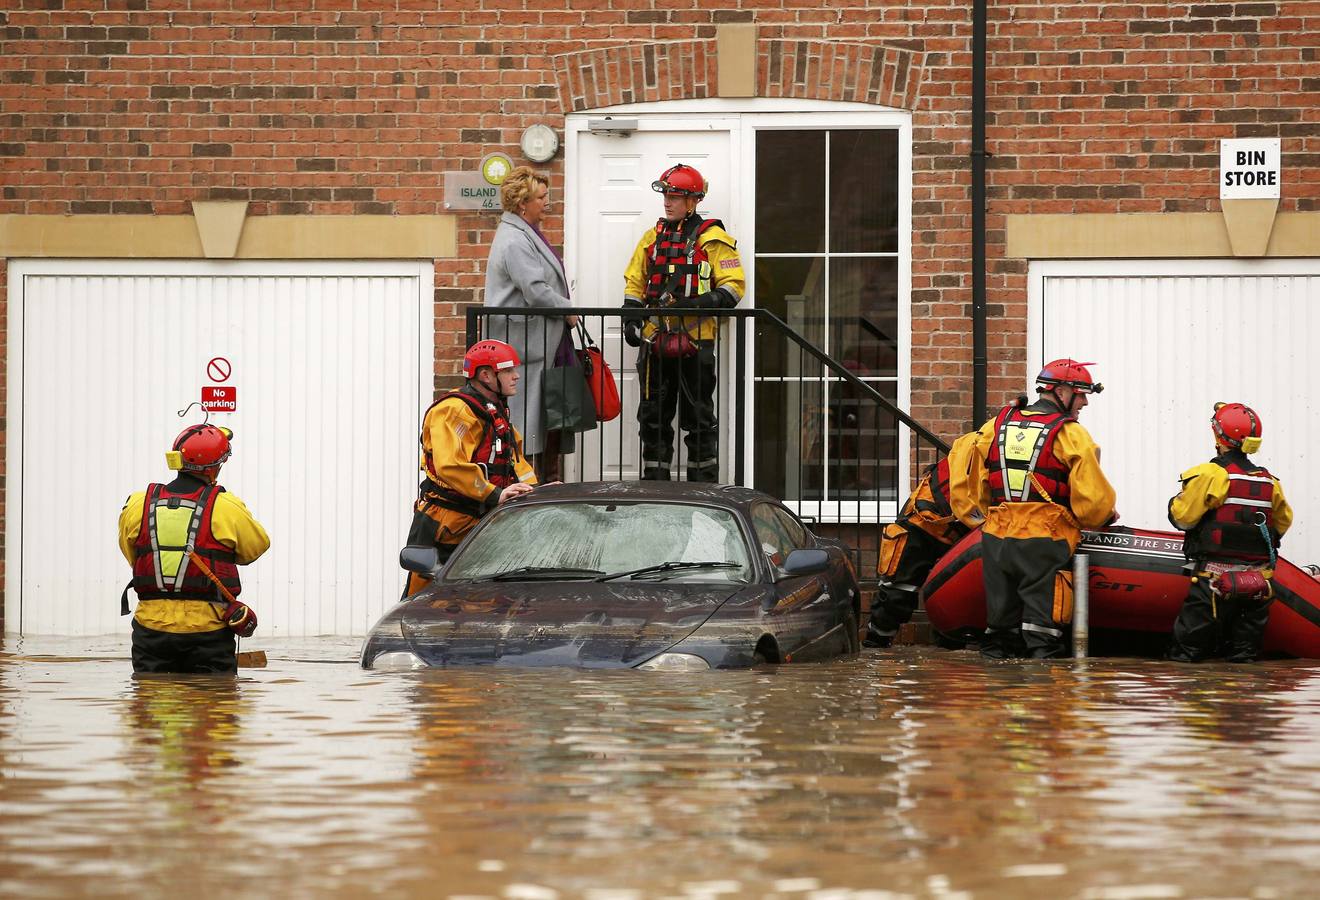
[(820, 436)]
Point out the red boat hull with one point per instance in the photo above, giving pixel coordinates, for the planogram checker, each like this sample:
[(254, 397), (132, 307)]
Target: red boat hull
[(1137, 583)]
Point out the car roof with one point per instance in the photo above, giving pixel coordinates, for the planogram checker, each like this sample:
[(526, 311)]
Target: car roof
[(727, 495)]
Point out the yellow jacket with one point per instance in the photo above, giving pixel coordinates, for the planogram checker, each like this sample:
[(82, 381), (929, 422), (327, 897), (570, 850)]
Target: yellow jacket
[(231, 525), (723, 269), (1091, 496), (937, 526), (1204, 488), (451, 435)]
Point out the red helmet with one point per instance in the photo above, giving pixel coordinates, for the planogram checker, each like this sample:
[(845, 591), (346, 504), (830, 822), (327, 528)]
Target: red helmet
[(1236, 426), (681, 179), (1068, 373), (496, 354), (200, 447)]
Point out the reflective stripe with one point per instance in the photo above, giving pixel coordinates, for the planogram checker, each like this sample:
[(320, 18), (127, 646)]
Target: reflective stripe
[(882, 632), (1029, 626), (910, 588), (1257, 478), (1242, 501), (704, 463), (654, 464)]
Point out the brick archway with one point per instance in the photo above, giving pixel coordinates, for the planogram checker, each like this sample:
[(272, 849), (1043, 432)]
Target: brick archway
[(686, 70)]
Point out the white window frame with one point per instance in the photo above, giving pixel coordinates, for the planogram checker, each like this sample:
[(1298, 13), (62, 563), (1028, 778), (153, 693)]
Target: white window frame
[(751, 115)]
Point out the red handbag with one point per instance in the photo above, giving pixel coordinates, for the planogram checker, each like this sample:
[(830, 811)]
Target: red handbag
[(604, 389)]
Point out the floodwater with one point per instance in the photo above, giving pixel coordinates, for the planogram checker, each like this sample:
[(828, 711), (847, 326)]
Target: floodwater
[(909, 773)]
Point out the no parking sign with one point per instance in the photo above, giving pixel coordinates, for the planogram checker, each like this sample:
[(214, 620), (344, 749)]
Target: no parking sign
[(216, 397)]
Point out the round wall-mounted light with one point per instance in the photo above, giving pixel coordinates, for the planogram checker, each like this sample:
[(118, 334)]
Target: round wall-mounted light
[(539, 143)]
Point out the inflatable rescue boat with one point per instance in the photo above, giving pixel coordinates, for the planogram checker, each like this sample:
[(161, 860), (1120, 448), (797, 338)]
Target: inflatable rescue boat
[(1137, 585)]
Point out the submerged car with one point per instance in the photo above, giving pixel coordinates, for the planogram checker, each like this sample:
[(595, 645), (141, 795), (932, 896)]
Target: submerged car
[(645, 575)]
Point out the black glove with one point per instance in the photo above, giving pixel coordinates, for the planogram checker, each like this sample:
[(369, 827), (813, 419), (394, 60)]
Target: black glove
[(716, 298), (632, 332)]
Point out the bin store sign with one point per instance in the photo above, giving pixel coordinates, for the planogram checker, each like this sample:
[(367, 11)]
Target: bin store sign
[(480, 189), (1249, 169)]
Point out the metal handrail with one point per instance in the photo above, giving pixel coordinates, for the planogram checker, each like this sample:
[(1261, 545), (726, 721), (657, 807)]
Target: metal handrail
[(474, 313)]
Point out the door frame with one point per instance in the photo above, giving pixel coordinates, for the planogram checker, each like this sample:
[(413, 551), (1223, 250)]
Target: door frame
[(20, 269), (745, 117)]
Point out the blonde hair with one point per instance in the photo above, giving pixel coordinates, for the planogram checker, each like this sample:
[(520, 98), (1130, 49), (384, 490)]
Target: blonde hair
[(519, 186)]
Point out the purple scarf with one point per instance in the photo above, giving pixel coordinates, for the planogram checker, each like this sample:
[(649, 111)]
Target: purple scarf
[(551, 247)]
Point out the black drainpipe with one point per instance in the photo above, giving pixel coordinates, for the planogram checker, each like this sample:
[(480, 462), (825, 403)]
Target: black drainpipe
[(980, 359)]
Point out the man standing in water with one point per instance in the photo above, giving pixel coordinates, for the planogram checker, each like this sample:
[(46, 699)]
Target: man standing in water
[(1040, 484), (471, 453), (185, 541), (1234, 514)]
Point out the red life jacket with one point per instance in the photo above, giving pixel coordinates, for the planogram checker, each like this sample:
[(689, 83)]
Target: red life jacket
[(1023, 447), (1233, 530), (495, 454), (163, 566), (675, 260)]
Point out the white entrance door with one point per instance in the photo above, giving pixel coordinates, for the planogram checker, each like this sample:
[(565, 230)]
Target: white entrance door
[(331, 363), (609, 204), (1170, 338)]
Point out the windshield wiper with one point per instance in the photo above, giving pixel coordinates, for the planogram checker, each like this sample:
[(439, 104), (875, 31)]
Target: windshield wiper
[(534, 573), (670, 567)]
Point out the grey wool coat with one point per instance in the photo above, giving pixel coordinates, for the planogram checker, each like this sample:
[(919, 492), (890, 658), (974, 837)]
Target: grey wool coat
[(520, 272)]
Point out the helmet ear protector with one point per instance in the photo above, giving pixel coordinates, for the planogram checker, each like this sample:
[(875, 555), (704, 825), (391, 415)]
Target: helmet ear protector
[(1243, 420), (174, 457)]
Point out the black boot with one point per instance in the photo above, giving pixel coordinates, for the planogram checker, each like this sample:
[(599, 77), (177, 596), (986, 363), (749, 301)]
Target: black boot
[(655, 473), (704, 474), (877, 638)]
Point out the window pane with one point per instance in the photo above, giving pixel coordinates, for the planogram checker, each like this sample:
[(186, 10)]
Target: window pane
[(794, 290), (789, 440), (790, 191), (864, 315), (863, 438), (863, 192)]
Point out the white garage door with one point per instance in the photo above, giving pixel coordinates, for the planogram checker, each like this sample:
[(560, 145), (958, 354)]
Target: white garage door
[(1171, 338), (331, 363)]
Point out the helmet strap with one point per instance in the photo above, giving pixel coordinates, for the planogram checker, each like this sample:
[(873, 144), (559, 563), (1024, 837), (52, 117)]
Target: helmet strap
[(490, 393)]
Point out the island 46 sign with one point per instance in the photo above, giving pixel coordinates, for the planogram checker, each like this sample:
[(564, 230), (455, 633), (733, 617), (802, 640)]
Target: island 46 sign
[(1249, 168)]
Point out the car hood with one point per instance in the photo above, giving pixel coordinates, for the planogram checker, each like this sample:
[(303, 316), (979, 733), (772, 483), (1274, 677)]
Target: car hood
[(588, 624)]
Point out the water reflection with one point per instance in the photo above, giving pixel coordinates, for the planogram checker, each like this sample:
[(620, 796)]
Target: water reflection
[(919, 773)]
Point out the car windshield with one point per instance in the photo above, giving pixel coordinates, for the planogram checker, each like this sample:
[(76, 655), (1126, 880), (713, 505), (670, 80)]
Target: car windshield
[(610, 538)]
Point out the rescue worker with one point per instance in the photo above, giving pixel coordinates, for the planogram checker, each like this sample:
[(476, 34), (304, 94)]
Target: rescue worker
[(684, 265), (1235, 514), (1039, 485), (185, 541), (927, 526), (471, 453)]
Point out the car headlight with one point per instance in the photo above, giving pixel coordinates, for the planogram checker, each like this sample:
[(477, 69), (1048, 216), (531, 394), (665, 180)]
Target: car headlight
[(675, 662), (397, 661)]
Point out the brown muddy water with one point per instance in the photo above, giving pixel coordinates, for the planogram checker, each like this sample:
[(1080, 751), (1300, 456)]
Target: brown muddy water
[(910, 773)]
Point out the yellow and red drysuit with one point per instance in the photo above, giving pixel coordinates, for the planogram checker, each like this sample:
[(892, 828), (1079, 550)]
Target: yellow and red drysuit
[(1234, 513), (179, 624), (470, 453), (1039, 485), (682, 268), (926, 527)]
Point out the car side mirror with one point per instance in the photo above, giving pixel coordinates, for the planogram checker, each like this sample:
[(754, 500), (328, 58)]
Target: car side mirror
[(805, 562), (425, 561)]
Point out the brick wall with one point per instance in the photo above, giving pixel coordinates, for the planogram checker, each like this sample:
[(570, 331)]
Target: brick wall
[(126, 106)]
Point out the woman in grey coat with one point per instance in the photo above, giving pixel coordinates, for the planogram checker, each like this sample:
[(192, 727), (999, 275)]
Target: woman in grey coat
[(524, 270)]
